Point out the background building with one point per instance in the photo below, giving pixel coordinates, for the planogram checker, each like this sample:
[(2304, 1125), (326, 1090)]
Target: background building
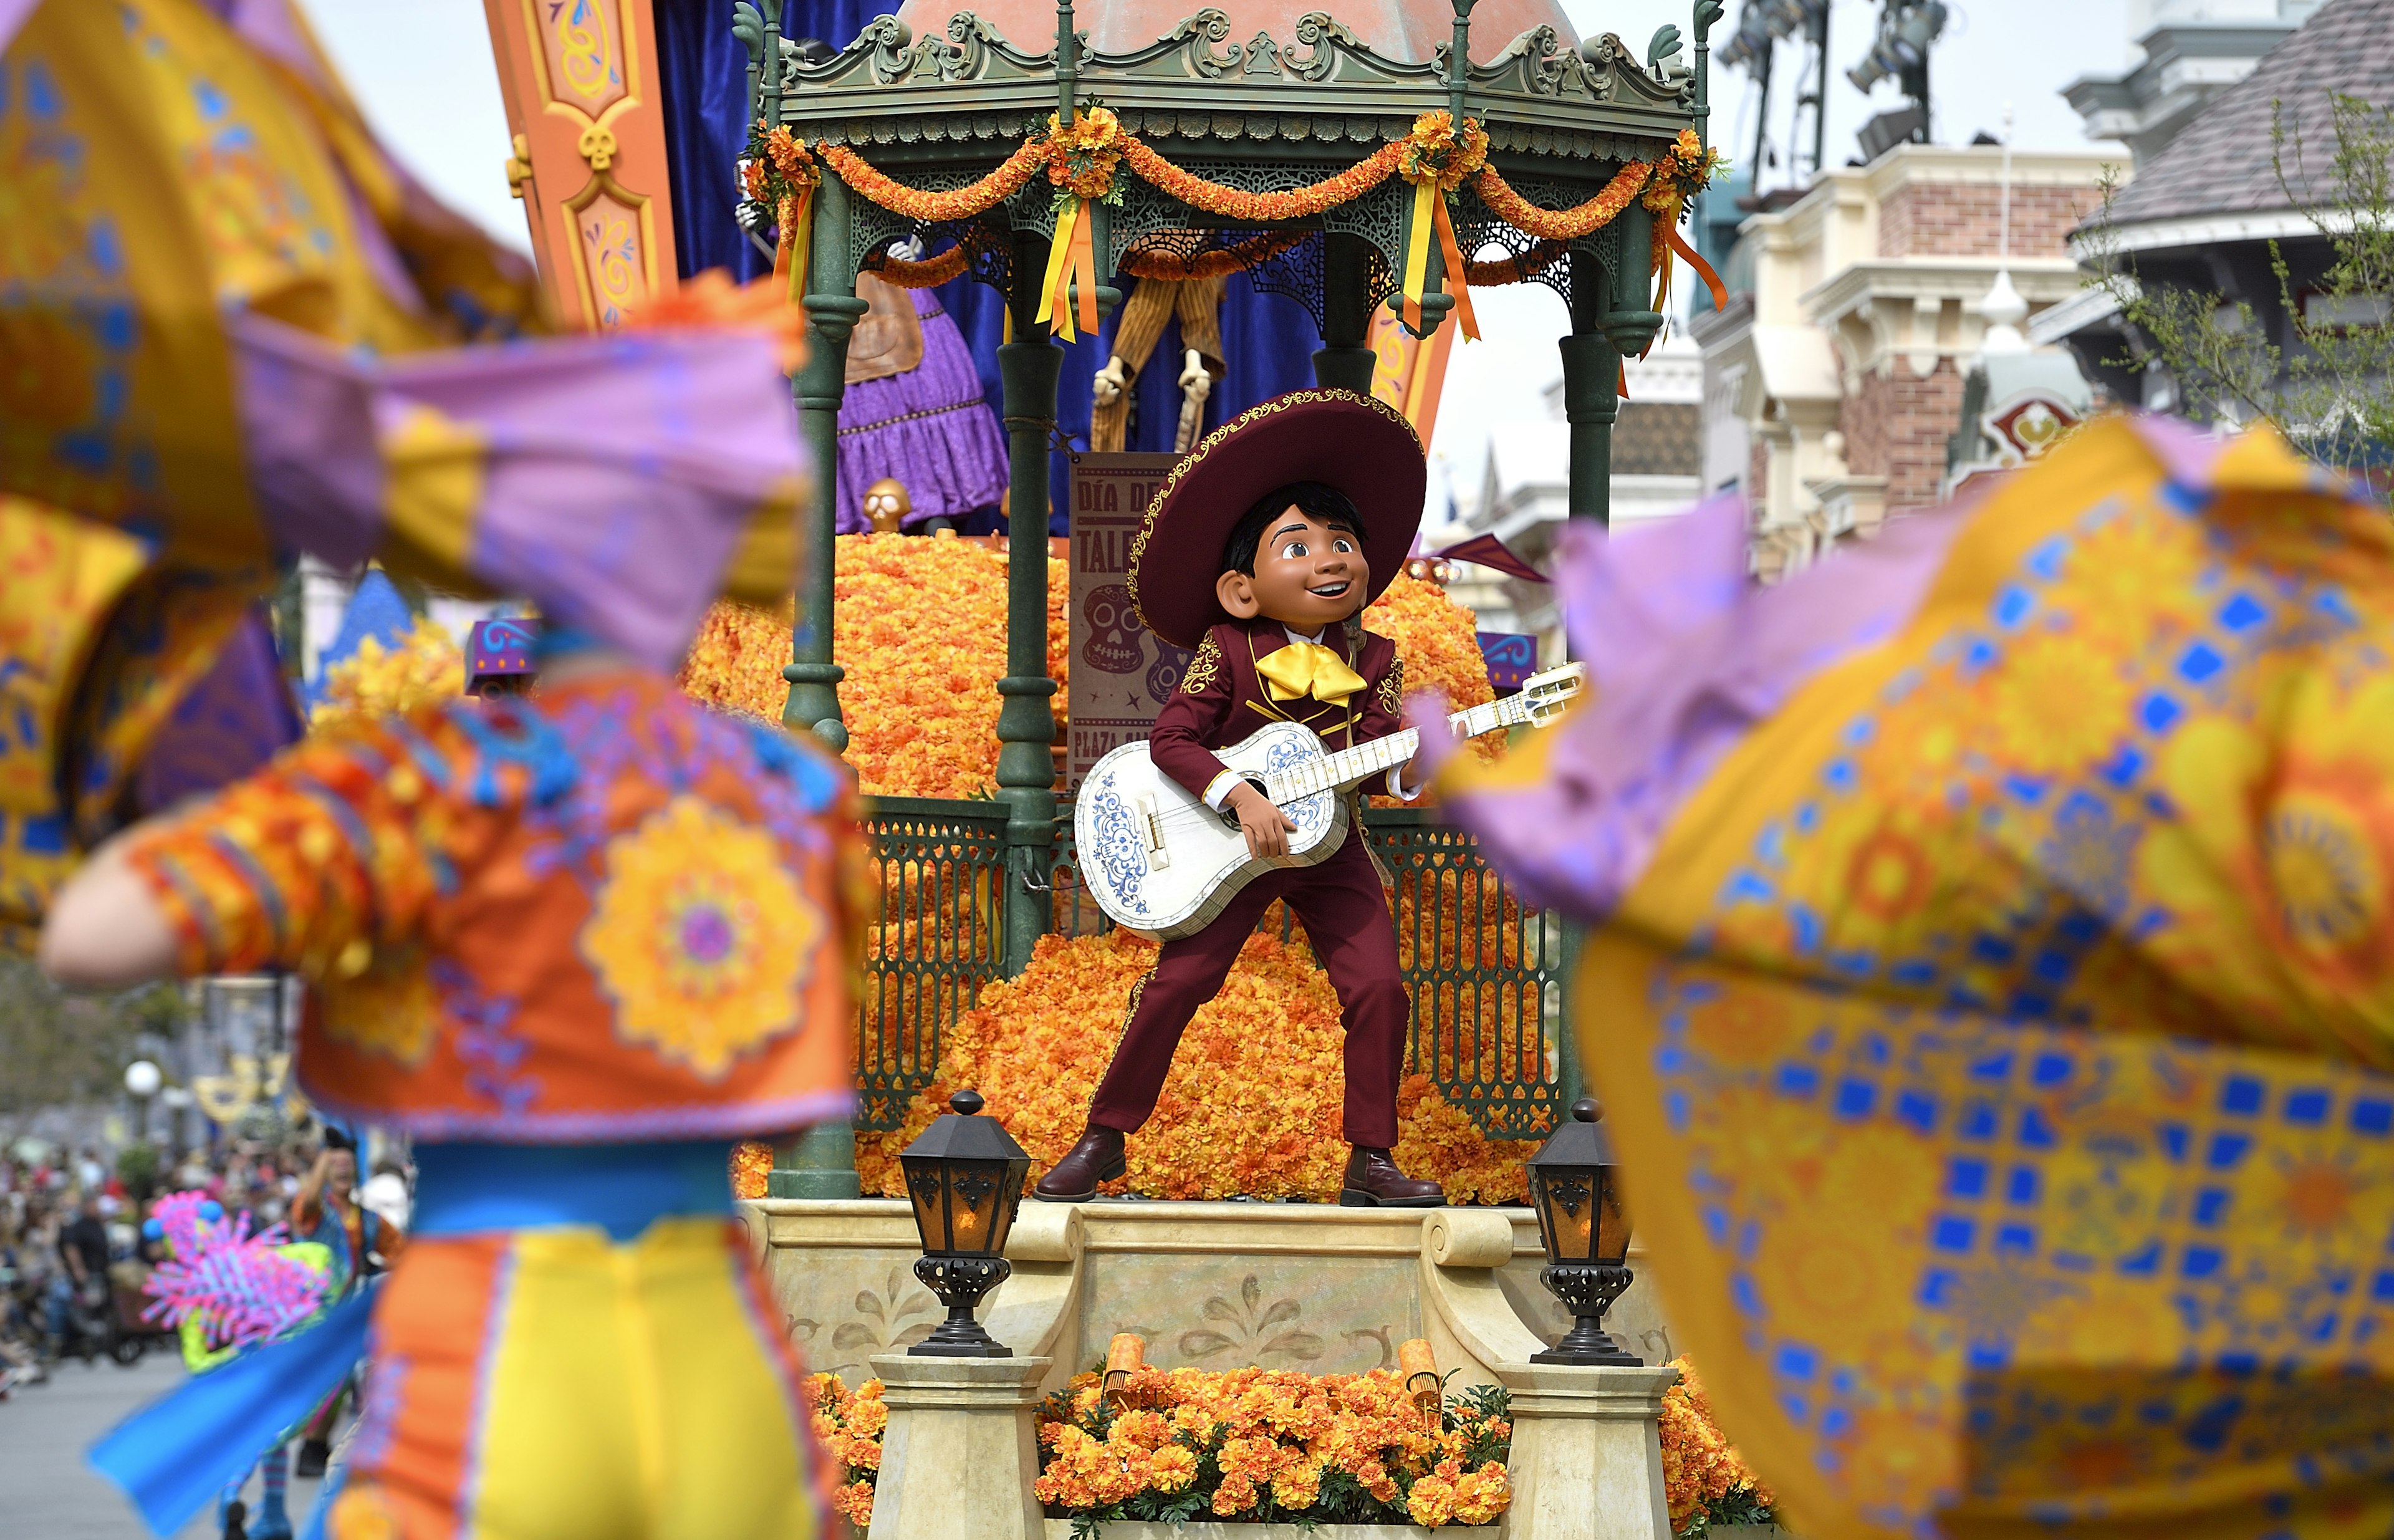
[(2193, 49), (2208, 209), (1833, 381)]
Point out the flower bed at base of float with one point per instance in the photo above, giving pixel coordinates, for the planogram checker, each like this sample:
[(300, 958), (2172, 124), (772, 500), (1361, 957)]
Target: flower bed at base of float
[(1215, 1529), (1341, 1454)]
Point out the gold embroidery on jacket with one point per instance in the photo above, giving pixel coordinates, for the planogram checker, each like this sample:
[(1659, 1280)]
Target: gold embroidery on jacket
[(1203, 669), (1391, 693)]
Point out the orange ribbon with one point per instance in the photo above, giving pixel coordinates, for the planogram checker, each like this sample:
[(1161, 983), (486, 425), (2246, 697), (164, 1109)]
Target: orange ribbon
[(796, 220), (1703, 269), (1455, 272)]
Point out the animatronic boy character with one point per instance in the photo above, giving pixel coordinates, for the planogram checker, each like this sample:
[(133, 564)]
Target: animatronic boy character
[(1304, 506)]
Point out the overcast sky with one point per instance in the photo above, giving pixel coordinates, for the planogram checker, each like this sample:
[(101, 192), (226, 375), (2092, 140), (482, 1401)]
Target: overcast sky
[(423, 70)]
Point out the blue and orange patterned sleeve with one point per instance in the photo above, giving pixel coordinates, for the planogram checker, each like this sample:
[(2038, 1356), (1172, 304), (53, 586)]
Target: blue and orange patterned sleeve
[(310, 863)]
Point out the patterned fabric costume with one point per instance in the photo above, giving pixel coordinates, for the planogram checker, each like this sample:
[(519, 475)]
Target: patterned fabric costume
[(1222, 699), (597, 914), (590, 919), (1994, 996)]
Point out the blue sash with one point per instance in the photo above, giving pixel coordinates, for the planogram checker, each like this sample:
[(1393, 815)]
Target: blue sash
[(174, 1456)]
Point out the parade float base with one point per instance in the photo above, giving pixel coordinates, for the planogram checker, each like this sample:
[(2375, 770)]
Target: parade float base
[(1311, 1287)]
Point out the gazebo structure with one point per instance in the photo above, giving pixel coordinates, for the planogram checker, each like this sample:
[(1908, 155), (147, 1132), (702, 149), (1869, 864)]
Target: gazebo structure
[(1320, 153)]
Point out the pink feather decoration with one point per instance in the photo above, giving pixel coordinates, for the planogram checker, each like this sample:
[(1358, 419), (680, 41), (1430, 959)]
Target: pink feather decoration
[(241, 1286)]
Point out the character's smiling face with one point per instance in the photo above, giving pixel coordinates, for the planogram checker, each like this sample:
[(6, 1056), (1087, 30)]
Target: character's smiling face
[(1309, 574)]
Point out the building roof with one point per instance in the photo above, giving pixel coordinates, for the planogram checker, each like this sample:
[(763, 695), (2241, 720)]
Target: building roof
[(2220, 162)]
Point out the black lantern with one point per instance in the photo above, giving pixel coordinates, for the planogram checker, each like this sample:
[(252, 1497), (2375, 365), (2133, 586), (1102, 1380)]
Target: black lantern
[(964, 1178), (1575, 1185)]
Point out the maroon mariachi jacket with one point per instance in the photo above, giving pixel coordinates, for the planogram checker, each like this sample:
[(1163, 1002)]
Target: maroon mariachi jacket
[(1221, 699)]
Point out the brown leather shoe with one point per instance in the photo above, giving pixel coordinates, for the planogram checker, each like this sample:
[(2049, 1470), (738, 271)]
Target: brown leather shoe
[(1097, 1158), (1374, 1181)]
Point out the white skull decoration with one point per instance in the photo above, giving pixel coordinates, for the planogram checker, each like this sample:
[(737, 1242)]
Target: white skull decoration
[(1115, 628)]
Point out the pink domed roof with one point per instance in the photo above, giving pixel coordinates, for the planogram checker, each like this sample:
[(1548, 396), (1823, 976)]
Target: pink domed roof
[(1407, 30)]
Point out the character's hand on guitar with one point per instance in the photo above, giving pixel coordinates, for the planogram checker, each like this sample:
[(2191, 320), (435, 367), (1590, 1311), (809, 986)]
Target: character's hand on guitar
[(1266, 826)]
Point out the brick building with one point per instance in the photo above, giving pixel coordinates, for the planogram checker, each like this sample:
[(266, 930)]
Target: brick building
[(1833, 380)]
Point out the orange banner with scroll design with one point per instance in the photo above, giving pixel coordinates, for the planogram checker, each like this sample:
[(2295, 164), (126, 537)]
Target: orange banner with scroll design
[(1409, 372), (589, 158)]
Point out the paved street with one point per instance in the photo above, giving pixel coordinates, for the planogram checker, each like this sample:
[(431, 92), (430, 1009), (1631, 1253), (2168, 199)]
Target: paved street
[(46, 1491)]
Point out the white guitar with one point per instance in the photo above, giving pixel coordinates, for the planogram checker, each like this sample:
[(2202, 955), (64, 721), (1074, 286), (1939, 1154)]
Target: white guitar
[(1158, 860)]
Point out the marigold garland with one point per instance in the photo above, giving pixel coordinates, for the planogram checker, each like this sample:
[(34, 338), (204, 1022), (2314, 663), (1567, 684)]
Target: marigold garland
[(1563, 224), (1081, 161), (937, 207), (1258, 1446), (928, 273), (1297, 202), (1251, 1107)]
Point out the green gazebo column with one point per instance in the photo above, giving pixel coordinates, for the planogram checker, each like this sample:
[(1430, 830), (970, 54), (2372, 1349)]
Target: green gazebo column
[(1345, 361), (822, 1162), (832, 312), (1028, 369), (1591, 395)]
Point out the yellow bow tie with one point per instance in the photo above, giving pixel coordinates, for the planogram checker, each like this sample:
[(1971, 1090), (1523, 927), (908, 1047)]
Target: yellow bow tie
[(1308, 668)]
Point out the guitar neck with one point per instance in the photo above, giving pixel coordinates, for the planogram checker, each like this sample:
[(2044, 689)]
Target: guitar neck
[(1354, 767)]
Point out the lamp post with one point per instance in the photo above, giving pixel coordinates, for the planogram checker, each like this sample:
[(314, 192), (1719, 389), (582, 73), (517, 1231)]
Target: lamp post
[(178, 1099), (1575, 1187), (964, 1179)]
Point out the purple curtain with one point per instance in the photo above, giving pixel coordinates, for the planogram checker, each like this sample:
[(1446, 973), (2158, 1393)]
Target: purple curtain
[(1266, 339)]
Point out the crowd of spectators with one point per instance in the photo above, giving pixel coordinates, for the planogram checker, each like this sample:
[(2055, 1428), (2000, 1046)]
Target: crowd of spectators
[(72, 1251)]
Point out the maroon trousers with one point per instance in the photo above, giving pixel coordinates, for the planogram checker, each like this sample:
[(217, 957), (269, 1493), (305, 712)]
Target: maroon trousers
[(1346, 919)]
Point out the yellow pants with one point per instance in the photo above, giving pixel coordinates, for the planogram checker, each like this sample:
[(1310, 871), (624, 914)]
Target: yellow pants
[(556, 1385)]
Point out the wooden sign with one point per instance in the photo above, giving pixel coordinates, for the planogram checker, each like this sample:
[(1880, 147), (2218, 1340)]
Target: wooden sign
[(584, 105), (1122, 672)]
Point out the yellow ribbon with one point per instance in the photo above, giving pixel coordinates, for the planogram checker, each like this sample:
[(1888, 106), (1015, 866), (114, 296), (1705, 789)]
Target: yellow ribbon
[(1308, 668), (1431, 218), (1071, 257), (1417, 252)]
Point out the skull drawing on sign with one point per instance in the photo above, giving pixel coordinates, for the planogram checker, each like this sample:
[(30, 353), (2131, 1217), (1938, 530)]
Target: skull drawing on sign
[(1115, 628), (1171, 664)]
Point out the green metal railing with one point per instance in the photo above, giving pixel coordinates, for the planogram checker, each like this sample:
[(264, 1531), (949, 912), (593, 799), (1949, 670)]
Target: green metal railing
[(1484, 971)]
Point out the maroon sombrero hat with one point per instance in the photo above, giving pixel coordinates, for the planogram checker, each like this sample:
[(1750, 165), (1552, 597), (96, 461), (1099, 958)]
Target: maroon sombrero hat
[(1362, 446)]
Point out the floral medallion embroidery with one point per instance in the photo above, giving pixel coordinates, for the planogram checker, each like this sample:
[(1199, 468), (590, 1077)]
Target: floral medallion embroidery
[(390, 1009), (701, 936)]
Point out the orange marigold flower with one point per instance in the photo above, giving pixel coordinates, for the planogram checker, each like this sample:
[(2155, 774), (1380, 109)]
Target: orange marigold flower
[(1172, 1469), (1296, 1488), (868, 1417), (751, 1164), (1236, 1494), (1483, 1495), (1141, 1429), (1431, 1502), (855, 1501)]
